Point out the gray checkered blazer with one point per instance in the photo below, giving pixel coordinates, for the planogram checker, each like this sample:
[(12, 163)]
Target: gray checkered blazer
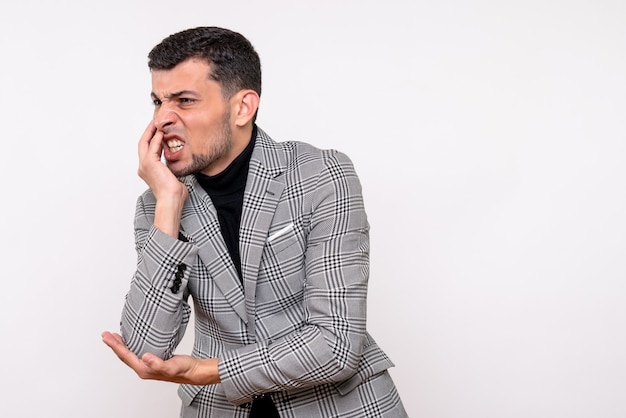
[(296, 327)]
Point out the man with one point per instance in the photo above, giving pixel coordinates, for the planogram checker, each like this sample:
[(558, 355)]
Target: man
[(269, 239)]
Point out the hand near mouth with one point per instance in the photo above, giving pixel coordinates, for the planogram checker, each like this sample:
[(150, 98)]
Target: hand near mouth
[(169, 192)]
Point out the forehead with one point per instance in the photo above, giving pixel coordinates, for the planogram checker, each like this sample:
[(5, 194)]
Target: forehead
[(192, 75)]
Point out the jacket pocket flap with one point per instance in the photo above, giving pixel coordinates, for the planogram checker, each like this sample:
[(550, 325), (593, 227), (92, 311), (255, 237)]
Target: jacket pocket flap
[(187, 393)]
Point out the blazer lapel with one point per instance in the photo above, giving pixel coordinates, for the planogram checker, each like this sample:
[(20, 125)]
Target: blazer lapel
[(199, 221), (262, 194)]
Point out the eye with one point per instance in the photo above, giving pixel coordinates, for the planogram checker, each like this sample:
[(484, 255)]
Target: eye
[(156, 102), (186, 100)]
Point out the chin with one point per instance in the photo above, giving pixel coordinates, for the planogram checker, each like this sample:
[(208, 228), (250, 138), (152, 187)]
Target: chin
[(179, 170)]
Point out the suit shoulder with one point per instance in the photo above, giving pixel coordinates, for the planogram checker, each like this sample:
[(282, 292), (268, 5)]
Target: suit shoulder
[(296, 152), (303, 153)]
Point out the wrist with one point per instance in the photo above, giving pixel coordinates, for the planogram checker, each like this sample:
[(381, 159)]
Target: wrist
[(207, 372), (167, 215)]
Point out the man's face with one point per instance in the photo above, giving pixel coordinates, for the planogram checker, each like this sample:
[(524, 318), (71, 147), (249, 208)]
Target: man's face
[(194, 118)]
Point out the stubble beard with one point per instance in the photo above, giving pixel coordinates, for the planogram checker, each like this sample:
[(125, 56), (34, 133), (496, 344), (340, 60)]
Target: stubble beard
[(220, 146)]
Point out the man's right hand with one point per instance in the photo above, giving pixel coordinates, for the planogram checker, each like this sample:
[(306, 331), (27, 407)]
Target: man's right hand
[(169, 192)]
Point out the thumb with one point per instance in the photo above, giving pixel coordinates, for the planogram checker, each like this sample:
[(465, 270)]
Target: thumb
[(153, 362)]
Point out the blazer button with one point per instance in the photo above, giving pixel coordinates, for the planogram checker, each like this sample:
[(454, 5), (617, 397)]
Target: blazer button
[(176, 285)]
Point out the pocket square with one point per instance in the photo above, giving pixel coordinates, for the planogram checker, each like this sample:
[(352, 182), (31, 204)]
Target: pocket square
[(280, 232)]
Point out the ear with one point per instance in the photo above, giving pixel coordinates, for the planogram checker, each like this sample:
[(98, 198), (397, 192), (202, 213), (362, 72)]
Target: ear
[(246, 103)]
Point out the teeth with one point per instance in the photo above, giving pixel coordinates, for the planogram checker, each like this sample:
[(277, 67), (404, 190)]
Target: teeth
[(175, 145)]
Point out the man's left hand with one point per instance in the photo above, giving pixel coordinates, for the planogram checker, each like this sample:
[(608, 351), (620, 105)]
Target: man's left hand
[(177, 369)]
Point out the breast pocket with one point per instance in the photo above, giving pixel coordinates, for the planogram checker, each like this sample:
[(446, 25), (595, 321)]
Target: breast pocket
[(283, 256), (283, 238)]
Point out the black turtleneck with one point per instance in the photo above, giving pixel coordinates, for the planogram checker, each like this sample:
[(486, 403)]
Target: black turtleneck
[(226, 192)]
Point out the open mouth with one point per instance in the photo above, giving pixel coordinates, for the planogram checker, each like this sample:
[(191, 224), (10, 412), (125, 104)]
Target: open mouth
[(175, 145)]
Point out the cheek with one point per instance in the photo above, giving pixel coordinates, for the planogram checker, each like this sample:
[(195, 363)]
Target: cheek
[(202, 130), (200, 125)]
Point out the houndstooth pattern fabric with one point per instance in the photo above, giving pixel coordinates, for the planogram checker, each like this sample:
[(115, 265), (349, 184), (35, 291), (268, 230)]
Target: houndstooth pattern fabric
[(296, 327)]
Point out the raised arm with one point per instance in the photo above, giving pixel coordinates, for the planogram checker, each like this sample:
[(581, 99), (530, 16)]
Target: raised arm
[(170, 194), (156, 312)]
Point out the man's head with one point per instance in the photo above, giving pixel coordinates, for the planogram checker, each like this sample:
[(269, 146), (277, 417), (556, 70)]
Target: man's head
[(206, 84), (234, 63)]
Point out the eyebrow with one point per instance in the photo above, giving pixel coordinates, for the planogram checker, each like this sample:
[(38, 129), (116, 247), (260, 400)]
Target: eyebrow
[(174, 94)]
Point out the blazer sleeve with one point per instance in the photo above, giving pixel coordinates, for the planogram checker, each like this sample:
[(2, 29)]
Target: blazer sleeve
[(328, 347), (156, 312)]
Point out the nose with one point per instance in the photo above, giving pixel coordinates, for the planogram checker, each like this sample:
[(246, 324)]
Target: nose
[(164, 118)]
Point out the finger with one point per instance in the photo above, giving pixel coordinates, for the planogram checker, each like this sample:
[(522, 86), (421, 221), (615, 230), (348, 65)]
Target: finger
[(150, 145), (156, 144), (108, 338), (116, 345), (173, 370), (115, 342), (148, 133), (112, 337), (119, 338), (154, 363)]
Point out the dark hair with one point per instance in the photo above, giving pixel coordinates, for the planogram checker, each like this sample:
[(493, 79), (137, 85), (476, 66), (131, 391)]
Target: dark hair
[(233, 61)]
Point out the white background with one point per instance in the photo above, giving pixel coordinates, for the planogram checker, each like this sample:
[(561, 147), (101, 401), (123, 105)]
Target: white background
[(490, 138)]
